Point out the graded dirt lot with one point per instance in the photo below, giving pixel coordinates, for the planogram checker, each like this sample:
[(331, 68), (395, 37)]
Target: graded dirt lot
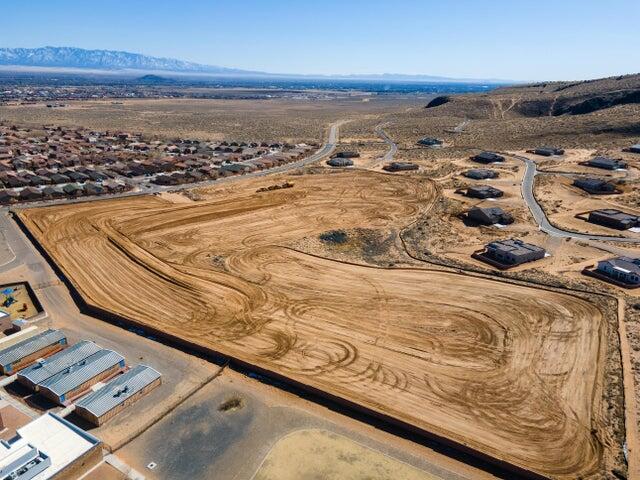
[(511, 371)]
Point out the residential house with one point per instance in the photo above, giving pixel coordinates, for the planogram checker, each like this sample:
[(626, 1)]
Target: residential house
[(483, 191), (606, 163), (340, 162), (480, 174), (595, 186), (622, 269), (613, 218), (513, 252), (400, 166), (487, 157), (489, 216)]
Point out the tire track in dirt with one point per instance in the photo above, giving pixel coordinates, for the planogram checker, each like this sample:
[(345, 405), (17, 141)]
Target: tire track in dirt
[(495, 366)]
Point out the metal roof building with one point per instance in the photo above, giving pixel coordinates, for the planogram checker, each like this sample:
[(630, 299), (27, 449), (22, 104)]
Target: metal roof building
[(103, 404), (44, 369), (48, 447), (77, 378), (21, 336), (24, 353)]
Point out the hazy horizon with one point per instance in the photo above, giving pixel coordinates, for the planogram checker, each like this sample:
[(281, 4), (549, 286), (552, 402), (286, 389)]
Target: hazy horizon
[(524, 42)]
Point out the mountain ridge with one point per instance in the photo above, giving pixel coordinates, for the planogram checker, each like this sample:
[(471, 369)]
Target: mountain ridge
[(116, 60), (72, 57)]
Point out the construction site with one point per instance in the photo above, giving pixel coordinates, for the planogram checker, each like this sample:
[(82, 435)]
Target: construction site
[(518, 374)]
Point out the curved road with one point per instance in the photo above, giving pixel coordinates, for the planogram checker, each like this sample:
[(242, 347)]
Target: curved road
[(393, 148), (541, 218)]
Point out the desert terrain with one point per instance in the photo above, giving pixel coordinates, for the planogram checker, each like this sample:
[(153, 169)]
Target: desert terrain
[(359, 285), (438, 350), (209, 119)]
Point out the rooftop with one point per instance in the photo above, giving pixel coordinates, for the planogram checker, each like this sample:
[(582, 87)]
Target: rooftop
[(118, 390), (625, 264), (75, 375), (616, 214), (61, 441), (514, 246), (30, 345), (46, 368)]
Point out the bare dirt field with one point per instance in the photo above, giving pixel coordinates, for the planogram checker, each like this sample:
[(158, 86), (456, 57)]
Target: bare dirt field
[(238, 120), (312, 454), (514, 372)]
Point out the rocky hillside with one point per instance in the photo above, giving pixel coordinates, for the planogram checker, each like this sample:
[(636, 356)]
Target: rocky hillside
[(543, 99)]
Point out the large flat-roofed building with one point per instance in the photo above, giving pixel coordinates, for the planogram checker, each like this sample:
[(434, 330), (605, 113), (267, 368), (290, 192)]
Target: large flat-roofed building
[(483, 191), (513, 251), (22, 460), (46, 368), (24, 353), (606, 163), (46, 448), (487, 157), (622, 269), (613, 218), (115, 396), (78, 378)]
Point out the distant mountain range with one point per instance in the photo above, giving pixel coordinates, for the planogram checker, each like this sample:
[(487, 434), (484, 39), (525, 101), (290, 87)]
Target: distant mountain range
[(116, 61), (69, 57)]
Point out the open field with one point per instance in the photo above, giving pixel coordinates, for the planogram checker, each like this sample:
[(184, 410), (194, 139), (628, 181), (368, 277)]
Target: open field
[(238, 120), (309, 454), (514, 372)]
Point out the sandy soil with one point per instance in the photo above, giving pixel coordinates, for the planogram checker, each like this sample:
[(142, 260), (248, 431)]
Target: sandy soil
[(492, 365), (12, 420), (105, 472), (314, 454), (23, 307), (239, 120), (562, 202)]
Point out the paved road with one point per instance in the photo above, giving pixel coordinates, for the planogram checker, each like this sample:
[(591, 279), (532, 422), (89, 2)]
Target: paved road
[(541, 218), (393, 148)]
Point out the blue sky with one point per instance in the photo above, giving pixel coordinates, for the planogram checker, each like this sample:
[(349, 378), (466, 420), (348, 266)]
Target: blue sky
[(516, 39)]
